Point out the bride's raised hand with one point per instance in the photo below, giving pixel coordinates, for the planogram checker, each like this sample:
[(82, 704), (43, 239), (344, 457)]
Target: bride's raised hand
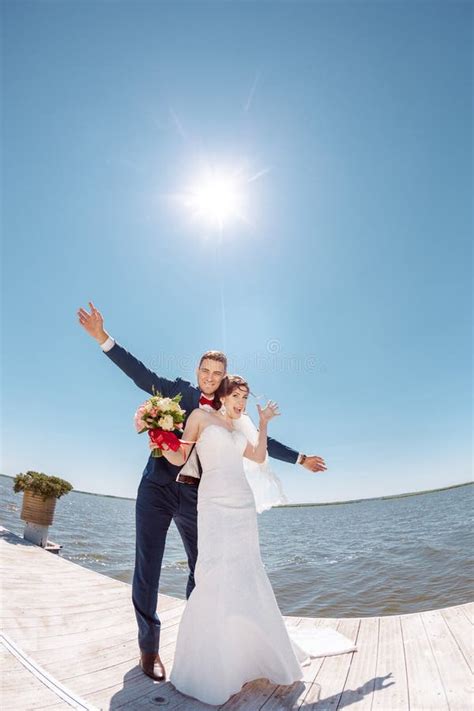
[(268, 412)]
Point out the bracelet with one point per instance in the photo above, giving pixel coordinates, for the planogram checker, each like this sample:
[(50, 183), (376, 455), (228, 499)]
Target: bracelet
[(303, 459)]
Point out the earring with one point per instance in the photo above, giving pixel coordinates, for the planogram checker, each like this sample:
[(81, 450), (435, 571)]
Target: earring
[(223, 410)]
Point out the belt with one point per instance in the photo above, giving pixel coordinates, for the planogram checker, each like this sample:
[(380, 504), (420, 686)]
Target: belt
[(185, 479)]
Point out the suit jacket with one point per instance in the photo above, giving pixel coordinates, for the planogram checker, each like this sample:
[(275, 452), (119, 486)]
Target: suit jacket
[(158, 469)]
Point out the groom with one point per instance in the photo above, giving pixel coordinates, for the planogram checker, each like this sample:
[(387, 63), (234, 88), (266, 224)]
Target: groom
[(160, 498)]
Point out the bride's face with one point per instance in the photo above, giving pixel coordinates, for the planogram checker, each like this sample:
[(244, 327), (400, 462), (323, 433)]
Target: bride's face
[(236, 402)]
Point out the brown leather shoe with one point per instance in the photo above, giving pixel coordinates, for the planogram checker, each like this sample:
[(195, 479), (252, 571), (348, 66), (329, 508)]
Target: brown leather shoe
[(152, 666)]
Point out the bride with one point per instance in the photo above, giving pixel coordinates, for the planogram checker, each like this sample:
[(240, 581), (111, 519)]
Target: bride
[(232, 630)]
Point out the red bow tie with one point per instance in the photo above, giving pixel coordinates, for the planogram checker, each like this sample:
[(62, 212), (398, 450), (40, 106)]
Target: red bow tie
[(204, 401)]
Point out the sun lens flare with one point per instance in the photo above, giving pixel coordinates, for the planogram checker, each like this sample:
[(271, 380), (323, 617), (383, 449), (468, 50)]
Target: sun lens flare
[(216, 198)]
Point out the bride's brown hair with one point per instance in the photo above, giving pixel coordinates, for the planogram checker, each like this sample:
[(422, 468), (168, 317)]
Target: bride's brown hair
[(228, 385)]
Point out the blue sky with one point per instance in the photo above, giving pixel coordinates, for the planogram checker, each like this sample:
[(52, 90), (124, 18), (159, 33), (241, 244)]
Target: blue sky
[(347, 296)]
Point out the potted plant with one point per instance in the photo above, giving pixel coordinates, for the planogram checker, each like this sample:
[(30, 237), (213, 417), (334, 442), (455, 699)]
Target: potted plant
[(40, 493)]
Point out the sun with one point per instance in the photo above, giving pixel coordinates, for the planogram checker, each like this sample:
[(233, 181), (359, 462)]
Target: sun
[(217, 198), (217, 201)]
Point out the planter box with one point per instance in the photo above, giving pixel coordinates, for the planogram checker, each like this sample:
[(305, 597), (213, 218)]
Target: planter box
[(36, 510)]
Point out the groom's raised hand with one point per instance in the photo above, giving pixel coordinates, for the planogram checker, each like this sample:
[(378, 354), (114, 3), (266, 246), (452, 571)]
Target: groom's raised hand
[(93, 323), (314, 463)]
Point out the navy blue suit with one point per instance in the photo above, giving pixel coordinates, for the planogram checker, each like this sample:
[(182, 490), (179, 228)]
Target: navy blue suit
[(161, 499)]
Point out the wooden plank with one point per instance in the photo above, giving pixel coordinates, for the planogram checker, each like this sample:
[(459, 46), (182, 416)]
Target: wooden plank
[(100, 604), (37, 641), (53, 592), (13, 607), (163, 694), (360, 682), (96, 648), (53, 569), (48, 576), (86, 663), (64, 624), (462, 632), (104, 678), (9, 664), (253, 695), (391, 685), (123, 689), (133, 692), (90, 628), (36, 686), (425, 688), (39, 580), (468, 609), (56, 600), (29, 695), (326, 690), (109, 674), (452, 666)]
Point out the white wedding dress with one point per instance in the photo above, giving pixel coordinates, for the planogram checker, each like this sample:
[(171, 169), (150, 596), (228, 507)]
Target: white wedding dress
[(232, 630)]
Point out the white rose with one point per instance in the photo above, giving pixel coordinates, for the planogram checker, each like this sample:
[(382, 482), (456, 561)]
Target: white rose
[(166, 423)]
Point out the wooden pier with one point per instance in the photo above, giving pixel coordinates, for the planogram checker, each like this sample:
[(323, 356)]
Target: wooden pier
[(69, 640)]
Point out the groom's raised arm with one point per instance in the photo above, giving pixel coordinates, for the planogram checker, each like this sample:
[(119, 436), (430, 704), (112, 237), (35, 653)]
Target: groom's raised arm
[(277, 450), (142, 376), (312, 462)]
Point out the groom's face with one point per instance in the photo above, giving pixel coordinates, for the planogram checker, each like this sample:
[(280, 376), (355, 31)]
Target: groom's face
[(209, 375)]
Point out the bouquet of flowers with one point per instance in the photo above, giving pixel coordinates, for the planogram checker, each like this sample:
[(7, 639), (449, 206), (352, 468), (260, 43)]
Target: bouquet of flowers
[(159, 416)]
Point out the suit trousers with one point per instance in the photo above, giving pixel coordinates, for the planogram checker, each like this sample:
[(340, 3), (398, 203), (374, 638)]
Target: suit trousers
[(156, 506)]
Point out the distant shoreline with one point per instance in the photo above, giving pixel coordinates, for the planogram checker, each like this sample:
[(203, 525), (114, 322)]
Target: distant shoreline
[(380, 498), (323, 503)]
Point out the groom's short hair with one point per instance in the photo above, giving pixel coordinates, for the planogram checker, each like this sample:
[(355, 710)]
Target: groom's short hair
[(215, 355)]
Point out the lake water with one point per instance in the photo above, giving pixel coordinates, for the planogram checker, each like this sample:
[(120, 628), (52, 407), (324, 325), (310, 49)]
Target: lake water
[(375, 557)]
